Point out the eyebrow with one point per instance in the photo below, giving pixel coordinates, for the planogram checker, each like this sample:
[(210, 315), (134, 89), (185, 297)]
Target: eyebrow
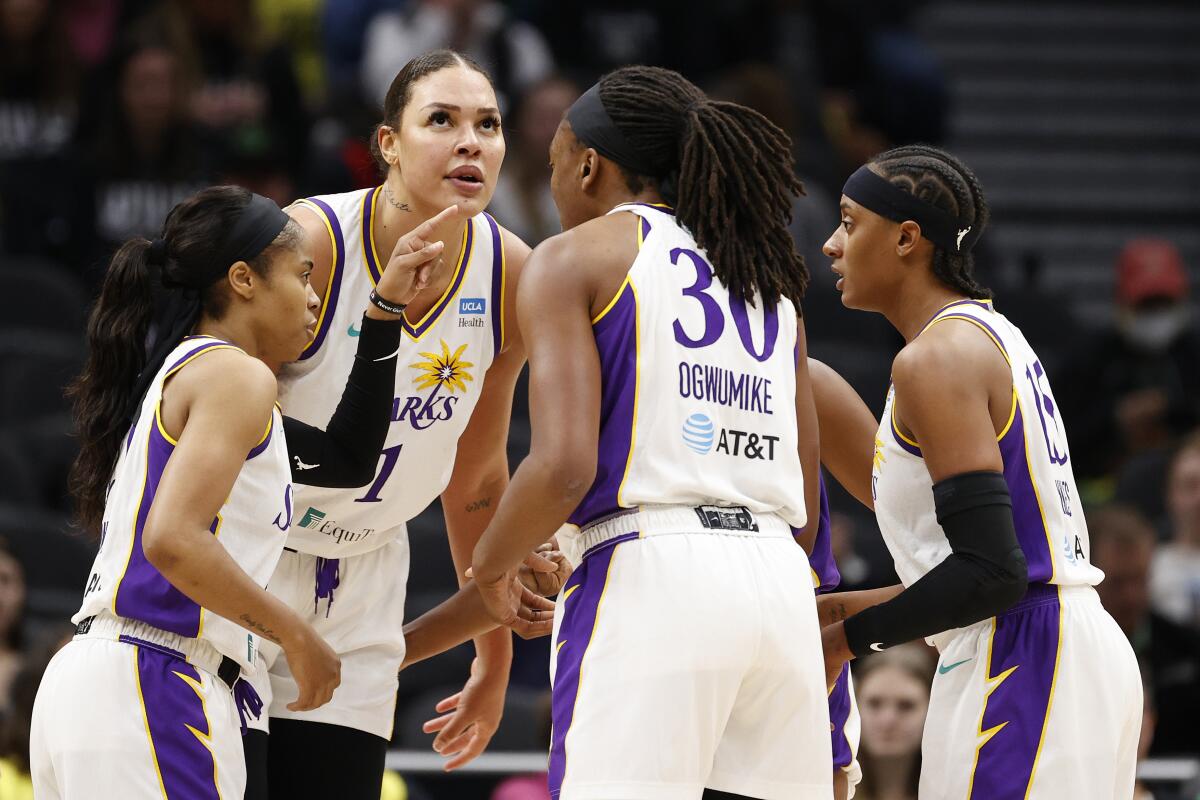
[(307, 263), (451, 107)]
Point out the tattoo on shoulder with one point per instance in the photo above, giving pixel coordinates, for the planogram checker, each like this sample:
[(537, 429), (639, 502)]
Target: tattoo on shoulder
[(259, 628), (479, 505)]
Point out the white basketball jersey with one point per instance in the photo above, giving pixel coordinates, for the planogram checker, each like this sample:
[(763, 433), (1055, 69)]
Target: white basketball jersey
[(1037, 466), (252, 524), (439, 375), (698, 388)]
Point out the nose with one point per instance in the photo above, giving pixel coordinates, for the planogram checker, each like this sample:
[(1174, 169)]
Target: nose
[(833, 245), (469, 144), (311, 299)]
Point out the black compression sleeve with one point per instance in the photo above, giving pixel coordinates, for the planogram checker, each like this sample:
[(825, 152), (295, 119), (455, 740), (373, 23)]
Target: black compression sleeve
[(346, 453), (984, 574)]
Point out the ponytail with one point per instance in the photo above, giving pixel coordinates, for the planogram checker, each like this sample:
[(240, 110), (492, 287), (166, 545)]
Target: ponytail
[(116, 335), (727, 169), (159, 290)]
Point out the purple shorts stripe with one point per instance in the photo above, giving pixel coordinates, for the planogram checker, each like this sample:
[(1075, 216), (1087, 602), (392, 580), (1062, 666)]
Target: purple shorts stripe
[(143, 593), (839, 714), (617, 342), (1026, 502), (581, 607), (177, 726), (1021, 670), (625, 537), (498, 278), (329, 302)]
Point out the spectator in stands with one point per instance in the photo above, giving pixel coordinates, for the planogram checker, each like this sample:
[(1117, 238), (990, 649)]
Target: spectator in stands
[(38, 109), (1175, 574), (763, 88), (1136, 386), (146, 154), (1122, 545), (12, 622), (522, 202), (15, 782), (514, 52), (246, 92), (892, 688)]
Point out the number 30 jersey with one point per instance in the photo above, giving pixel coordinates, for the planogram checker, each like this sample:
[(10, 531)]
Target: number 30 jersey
[(698, 387), (1037, 467), (440, 372)]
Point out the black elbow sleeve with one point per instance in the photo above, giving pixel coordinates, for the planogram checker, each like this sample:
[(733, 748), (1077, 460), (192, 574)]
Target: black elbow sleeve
[(983, 576)]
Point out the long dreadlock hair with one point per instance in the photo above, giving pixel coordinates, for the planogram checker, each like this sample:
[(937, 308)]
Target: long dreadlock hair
[(944, 182), (726, 168)]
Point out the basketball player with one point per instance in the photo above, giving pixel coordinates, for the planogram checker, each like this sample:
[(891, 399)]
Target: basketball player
[(184, 474), (672, 414), (1037, 694), (347, 556)]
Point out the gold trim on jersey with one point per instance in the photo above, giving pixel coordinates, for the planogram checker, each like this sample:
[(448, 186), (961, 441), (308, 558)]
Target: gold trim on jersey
[(339, 258), (612, 302), (637, 387)]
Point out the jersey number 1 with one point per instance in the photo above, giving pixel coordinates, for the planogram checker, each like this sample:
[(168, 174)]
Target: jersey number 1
[(390, 456)]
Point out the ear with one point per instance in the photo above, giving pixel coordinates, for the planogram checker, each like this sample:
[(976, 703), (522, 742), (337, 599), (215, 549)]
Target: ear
[(389, 144), (243, 280), (908, 238), (589, 170)]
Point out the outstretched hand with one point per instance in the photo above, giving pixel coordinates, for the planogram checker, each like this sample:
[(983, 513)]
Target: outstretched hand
[(411, 264)]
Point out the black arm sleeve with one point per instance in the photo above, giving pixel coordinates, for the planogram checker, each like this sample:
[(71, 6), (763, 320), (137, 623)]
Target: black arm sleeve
[(983, 576), (346, 453)]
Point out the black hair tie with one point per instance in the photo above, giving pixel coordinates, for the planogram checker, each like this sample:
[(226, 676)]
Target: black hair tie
[(157, 253)]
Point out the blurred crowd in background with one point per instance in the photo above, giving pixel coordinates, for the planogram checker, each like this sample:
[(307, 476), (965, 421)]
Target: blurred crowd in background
[(1083, 123)]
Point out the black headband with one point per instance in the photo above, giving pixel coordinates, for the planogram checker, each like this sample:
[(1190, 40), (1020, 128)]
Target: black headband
[(177, 303), (891, 202), (592, 126)]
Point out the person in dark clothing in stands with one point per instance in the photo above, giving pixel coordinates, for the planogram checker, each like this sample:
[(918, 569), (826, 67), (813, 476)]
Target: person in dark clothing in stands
[(1169, 654)]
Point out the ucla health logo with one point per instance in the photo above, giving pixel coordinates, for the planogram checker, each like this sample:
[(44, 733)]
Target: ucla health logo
[(472, 305), (698, 433)]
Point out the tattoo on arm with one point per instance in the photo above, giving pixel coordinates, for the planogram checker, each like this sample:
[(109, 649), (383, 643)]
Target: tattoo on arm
[(260, 629), (837, 612), (479, 505)]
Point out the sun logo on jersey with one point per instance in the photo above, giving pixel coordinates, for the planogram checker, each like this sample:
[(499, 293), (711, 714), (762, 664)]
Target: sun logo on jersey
[(445, 370), (877, 459)]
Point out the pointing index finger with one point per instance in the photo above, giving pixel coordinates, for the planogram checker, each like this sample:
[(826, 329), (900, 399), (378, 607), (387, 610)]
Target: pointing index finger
[(426, 228)]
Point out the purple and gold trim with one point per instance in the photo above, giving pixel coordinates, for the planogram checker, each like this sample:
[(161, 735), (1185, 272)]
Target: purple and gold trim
[(265, 441), (616, 332), (906, 444), (333, 286), (582, 598), (839, 715), (499, 279), (1022, 669), (171, 692), (142, 592), (371, 257), (1028, 517), (826, 576)]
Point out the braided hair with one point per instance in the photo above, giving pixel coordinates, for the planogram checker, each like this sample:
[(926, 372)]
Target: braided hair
[(946, 183), (725, 168)]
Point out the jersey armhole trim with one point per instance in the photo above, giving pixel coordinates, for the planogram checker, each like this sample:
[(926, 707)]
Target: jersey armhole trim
[(620, 291), (333, 285)]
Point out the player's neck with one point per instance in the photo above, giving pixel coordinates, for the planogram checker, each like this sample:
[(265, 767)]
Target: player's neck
[(915, 305), (394, 217)]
